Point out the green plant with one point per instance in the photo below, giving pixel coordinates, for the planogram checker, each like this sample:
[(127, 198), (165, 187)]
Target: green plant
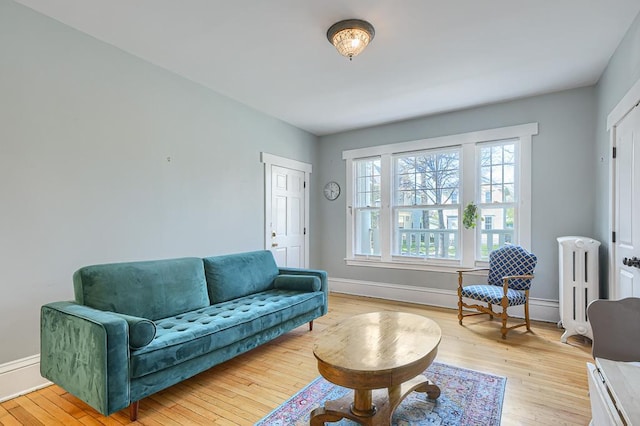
[(470, 216)]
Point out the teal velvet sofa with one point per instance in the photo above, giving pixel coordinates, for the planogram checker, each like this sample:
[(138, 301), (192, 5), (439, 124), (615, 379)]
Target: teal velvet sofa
[(137, 328)]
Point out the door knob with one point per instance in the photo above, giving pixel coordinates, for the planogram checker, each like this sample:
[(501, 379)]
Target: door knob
[(634, 262), (273, 234)]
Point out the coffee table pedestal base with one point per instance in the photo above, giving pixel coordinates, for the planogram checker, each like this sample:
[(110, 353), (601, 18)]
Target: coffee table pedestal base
[(384, 403)]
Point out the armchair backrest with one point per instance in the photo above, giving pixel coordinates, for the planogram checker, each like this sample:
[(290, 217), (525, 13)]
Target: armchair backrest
[(511, 260)]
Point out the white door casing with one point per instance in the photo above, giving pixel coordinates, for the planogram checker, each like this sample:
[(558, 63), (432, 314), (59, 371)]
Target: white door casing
[(624, 127), (627, 206), (287, 210)]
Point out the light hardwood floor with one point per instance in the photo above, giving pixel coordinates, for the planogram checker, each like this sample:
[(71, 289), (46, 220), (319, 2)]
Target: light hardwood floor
[(546, 379)]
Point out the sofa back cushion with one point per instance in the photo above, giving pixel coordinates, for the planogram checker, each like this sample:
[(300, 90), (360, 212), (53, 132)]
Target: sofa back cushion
[(237, 275), (152, 289)]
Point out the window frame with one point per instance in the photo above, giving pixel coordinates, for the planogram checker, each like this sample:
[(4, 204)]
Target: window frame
[(396, 206), (484, 204), (469, 163), (357, 208)]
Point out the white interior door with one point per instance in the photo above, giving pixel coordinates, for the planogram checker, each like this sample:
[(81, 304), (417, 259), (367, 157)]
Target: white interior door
[(288, 230), (627, 207)]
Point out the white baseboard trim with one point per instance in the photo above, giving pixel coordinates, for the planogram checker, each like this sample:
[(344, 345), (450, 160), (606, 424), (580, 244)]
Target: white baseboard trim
[(539, 309), (20, 377)]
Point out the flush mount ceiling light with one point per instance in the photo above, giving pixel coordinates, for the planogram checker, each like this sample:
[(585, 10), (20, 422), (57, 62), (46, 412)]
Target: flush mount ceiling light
[(350, 36)]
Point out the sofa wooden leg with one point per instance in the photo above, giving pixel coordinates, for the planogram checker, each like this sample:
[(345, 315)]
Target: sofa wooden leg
[(311, 325), (133, 411)]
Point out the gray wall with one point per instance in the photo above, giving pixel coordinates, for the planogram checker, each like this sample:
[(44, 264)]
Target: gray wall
[(622, 72), (85, 132), (562, 180)]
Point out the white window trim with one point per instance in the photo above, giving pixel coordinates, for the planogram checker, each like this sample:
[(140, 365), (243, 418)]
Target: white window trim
[(468, 141)]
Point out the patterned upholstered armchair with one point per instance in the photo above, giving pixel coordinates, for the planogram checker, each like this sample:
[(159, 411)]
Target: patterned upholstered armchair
[(510, 274)]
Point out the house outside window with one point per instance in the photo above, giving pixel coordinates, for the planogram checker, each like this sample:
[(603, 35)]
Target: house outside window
[(404, 199), (487, 223), (452, 222)]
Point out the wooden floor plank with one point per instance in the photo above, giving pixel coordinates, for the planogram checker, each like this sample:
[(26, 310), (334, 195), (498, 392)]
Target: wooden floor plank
[(52, 409), (89, 420), (3, 411), (546, 379), (24, 417), (67, 406), (9, 420), (26, 402)]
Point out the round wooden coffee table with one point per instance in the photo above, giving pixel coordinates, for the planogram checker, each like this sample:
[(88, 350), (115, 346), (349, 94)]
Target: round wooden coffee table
[(379, 355)]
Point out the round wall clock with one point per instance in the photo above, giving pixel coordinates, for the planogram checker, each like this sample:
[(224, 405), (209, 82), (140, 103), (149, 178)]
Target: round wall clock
[(332, 191)]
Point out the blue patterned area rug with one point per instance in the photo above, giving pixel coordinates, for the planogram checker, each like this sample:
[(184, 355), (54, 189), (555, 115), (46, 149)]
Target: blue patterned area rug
[(468, 398)]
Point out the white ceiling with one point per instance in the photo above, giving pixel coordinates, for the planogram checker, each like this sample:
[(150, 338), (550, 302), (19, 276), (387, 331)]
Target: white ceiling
[(427, 56)]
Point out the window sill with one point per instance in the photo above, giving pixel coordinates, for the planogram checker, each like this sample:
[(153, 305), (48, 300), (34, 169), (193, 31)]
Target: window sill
[(416, 265)]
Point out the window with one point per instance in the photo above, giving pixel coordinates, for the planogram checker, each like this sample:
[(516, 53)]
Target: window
[(405, 199), (367, 207), (424, 191), (497, 184)]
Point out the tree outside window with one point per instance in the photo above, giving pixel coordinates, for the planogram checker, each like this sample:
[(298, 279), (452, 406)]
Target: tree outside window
[(426, 187)]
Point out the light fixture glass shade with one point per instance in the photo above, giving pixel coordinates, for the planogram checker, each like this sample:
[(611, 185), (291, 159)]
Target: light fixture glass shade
[(350, 36), (351, 42)]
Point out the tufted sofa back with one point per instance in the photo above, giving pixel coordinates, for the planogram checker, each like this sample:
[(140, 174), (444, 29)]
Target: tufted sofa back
[(237, 275), (153, 289)]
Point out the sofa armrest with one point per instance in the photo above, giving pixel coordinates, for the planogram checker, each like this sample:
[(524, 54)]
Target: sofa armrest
[(324, 282), (86, 352)]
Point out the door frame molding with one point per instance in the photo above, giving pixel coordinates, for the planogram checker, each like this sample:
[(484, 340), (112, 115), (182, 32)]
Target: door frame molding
[(275, 160), (626, 104)]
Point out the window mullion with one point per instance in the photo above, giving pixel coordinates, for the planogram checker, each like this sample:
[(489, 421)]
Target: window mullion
[(386, 213), (470, 170)]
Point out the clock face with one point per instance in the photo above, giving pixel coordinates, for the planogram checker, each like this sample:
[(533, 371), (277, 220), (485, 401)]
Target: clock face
[(331, 191)]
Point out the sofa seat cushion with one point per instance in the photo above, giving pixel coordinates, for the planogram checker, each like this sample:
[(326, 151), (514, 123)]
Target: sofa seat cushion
[(189, 335), (493, 294)]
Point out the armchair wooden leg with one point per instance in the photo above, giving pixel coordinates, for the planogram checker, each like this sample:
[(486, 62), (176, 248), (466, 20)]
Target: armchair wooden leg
[(504, 316), (489, 307), (460, 298), (526, 311), (133, 411), (311, 325)]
